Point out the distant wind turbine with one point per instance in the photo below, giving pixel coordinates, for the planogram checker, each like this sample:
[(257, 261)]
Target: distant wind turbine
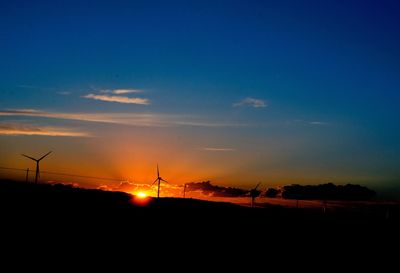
[(254, 193), (37, 175), (184, 190), (159, 179)]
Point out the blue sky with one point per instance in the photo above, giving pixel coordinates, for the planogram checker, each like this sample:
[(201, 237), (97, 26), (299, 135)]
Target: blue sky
[(281, 91)]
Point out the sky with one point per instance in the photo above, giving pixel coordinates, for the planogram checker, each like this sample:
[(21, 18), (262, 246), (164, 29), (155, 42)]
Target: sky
[(235, 92)]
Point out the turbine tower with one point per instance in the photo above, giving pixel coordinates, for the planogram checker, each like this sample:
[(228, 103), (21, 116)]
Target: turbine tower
[(184, 190), (37, 175), (159, 179), (254, 193)]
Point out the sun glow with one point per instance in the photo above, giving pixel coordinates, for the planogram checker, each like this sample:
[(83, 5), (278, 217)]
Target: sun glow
[(141, 199), (141, 194)]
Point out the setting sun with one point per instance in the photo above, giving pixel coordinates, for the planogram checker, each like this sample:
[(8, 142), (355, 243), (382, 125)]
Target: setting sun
[(141, 198), (141, 195)]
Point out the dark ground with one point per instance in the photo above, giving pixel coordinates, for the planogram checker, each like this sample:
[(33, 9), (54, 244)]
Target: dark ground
[(62, 219), (21, 199), (59, 207)]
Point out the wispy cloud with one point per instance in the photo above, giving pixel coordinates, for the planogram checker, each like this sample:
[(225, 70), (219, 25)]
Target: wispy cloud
[(213, 149), (251, 102), (64, 93), (23, 110), (29, 86), (308, 122), (20, 129), (129, 119), (317, 123), (121, 91), (119, 99)]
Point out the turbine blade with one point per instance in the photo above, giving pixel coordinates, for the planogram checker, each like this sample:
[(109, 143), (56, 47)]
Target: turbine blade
[(154, 182), (257, 186), (44, 156), (158, 171), (164, 180), (34, 159)]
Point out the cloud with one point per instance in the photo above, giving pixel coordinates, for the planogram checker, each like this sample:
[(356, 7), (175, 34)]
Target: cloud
[(210, 190), (212, 149), (134, 188), (128, 119), (64, 93), (307, 122), (119, 99), (27, 111), (20, 129), (104, 188), (251, 102), (28, 86), (202, 188), (318, 123), (121, 91), (130, 187)]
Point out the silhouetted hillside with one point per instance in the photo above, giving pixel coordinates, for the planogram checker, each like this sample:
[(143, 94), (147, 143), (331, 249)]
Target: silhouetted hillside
[(48, 202), (65, 197)]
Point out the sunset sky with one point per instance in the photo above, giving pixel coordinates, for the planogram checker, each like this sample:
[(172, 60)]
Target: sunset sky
[(235, 92)]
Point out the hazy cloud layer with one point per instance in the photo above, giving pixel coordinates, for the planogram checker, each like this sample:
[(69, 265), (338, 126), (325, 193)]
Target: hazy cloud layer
[(318, 123), (29, 86), (251, 102), (134, 188), (130, 187), (29, 130), (312, 122), (121, 91), (119, 99), (129, 119), (64, 93)]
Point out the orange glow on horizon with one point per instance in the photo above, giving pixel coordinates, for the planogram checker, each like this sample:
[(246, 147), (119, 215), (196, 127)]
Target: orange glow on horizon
[(141, 198), (141, 194)]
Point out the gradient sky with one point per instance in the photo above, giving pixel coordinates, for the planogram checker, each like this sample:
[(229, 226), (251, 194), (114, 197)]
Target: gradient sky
[(234, 92)]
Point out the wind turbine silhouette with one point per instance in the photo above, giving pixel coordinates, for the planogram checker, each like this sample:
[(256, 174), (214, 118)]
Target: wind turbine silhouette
[(254, 193), (159, 179), (184, 190), (37, 164)]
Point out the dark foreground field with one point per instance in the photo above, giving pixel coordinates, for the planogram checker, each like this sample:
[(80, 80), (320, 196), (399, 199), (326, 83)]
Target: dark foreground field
[(56, 201), (32, 214)]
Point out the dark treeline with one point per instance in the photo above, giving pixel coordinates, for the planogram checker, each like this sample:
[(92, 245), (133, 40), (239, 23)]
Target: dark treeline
[(327, 191)]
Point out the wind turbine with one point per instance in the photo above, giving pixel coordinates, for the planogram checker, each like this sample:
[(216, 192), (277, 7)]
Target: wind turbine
[(254, 193), (37, 164), (184, 190), (159, 179)]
